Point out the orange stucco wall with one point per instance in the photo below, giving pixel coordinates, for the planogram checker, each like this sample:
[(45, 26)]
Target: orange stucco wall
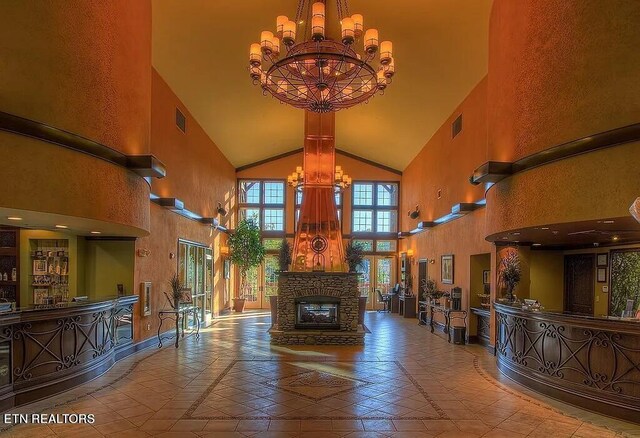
[(560, 70), (83, 67), (198, 174), (556, 193), (77, 185), (445, 164), (80, 65)]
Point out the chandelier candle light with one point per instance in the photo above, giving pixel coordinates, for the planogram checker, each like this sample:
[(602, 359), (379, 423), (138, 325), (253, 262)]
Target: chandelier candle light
[(342, 181), (317, 73)]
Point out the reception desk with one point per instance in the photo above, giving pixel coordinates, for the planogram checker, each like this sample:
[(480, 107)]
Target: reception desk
[(591, 362), (47, 349)]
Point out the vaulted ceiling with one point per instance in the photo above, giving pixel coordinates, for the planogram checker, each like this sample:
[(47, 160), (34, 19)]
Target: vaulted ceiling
[(200, 47)]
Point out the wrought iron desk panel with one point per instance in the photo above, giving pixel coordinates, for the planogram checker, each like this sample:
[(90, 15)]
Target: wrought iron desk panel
[(588, 361)]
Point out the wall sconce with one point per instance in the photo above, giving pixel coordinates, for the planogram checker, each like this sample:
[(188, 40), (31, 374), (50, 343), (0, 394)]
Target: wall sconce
[(221, 210), (224, 250), (415, 214)]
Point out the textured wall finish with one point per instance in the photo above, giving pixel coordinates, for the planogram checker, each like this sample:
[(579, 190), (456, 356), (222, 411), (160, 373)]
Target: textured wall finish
[(199, 175), (44, 177), (80, 65), (560, 70), (445, 163), (597, 185)]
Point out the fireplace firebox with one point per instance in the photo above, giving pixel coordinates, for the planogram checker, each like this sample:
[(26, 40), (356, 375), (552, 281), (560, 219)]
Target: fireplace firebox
[(317, 312)]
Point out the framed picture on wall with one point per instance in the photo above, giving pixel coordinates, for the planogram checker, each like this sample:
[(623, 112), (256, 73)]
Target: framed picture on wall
[(446, 269), (602, 275), (486, 277), (145, 298), (603, 259), (40, 267)]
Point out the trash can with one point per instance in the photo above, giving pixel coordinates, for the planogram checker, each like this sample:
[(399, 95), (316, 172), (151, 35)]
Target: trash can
[(459, 335)]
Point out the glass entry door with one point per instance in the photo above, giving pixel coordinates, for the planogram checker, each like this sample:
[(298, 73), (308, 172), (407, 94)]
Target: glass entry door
[(264, 283), (378, 272), (195, 271)]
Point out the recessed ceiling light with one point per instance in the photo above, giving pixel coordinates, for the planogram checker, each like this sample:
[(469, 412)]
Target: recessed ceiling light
[(615, 238), (608, 222), (516, 233), (96, 232), (64, 227), (505, 238), (14, 218), (544, 228), (537, 244)]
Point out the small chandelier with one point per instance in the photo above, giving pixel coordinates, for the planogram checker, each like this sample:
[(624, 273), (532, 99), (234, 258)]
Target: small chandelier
[(342, 181), (317, 73)]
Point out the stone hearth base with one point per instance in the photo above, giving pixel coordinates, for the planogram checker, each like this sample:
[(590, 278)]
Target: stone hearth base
[(316, 337), (340, 287)]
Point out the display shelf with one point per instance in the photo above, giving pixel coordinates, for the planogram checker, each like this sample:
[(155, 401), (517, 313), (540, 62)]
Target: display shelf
[(10, 262), (50, 270)]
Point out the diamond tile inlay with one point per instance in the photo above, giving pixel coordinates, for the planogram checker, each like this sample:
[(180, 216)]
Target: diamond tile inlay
[(316, 385)]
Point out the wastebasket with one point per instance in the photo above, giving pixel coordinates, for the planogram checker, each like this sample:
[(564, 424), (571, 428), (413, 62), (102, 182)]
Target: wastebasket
[(459, 335)]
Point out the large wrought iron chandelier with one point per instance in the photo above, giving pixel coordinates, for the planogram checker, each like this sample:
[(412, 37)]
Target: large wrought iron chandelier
[(318, 73)]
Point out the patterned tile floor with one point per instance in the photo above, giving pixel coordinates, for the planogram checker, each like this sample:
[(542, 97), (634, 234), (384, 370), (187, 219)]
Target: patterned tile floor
[(406, 382)]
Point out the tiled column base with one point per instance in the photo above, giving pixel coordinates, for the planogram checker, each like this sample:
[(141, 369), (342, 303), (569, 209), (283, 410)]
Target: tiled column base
[(316, 337)]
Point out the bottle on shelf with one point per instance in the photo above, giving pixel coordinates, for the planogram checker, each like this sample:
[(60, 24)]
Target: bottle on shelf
[(14, 274), (5, 277)]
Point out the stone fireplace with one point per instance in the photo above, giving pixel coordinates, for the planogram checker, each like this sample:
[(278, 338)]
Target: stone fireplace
[(317, 308)]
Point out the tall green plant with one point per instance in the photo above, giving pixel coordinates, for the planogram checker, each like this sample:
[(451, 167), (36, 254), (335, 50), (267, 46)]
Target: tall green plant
[(247, 251), (510, 272), (284, 256), (625, 280), (353, 255)]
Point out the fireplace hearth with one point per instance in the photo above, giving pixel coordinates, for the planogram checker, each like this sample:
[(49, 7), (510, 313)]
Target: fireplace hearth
[(317, 308), (317, 313)]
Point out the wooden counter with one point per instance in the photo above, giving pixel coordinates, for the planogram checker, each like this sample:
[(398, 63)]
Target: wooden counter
[(587, 361), (48, 349)]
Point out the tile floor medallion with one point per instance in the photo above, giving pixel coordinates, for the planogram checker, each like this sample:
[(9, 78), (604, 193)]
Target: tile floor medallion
[(306, 390), (404, 382)]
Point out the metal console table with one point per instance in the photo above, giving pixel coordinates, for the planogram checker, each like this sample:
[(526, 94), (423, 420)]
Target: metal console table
[(426, 316), (180, 317)]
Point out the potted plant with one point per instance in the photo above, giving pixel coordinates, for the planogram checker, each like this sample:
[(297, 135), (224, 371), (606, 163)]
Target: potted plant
[(510, 273), (174, 299), (247, 252), (353, 255), (429, 288), (176, 291), (284, 256)]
